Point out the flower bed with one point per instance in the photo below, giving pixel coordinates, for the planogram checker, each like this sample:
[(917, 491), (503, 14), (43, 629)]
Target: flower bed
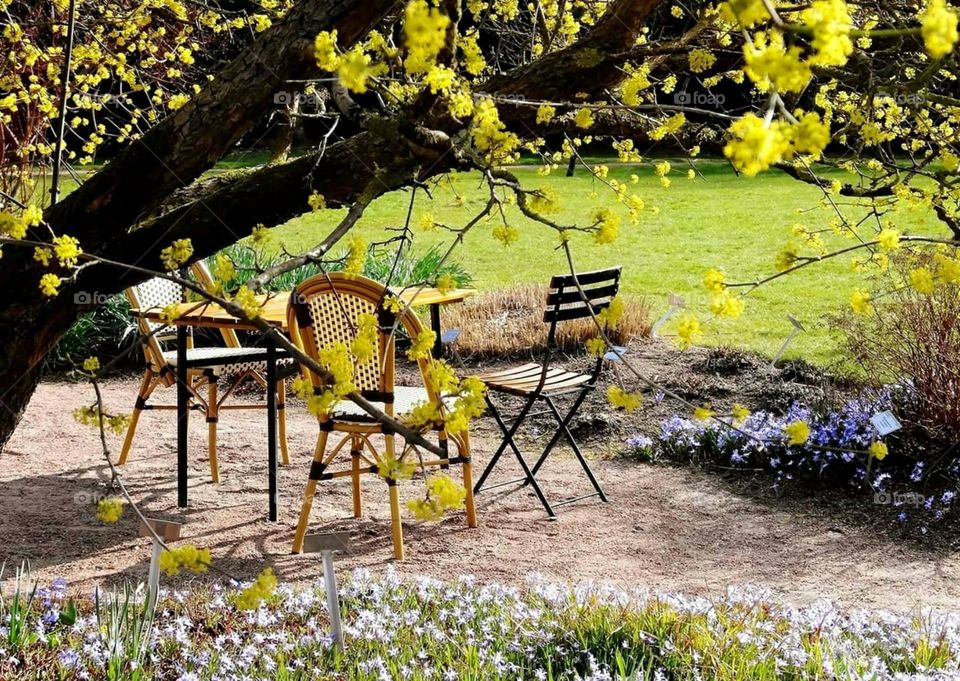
[(461, 629), (837, 453)]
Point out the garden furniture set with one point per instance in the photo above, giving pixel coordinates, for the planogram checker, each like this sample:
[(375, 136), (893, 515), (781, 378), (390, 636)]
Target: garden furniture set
[(323, 310)]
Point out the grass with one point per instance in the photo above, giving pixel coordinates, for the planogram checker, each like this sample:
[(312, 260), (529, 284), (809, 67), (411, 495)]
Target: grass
[(719, 220)]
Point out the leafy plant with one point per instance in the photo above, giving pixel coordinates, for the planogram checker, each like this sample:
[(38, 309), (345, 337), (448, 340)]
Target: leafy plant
[(125, 623), (16, 611), (106, 331)]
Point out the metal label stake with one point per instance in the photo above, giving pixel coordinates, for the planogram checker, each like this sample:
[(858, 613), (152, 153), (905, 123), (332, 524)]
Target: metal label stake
[(676, 304), (168, 531), (797, 328), (325, 544)]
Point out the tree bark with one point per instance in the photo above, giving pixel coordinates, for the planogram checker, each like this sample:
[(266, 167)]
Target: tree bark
[(170, 156)]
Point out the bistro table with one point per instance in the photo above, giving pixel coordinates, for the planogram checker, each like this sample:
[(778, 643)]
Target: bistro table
[(273, 311)]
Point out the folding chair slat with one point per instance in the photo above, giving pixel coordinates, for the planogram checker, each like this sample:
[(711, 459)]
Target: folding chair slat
[(581, 311), (573, 295), (568, 280)]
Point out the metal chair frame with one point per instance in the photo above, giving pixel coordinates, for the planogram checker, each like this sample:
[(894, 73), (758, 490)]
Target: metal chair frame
[(538, 384), (202, 371)]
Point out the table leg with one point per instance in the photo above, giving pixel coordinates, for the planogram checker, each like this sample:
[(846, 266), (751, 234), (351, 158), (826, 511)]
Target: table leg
[(272, 426), (183, 415), (435, 325)]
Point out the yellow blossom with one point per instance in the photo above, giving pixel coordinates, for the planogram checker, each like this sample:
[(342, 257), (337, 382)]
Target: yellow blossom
[(110, 509), (797, 432), (878, 450), (49, 284), (177, 253), (921, 279), (688, 331), (621, 399), (938, 28), (861, 302)]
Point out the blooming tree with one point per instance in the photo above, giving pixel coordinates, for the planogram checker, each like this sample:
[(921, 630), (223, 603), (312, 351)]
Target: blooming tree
[(855, 99)]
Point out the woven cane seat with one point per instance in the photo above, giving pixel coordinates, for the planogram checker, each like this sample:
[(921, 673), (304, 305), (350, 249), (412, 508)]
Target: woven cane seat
[(226, 361)]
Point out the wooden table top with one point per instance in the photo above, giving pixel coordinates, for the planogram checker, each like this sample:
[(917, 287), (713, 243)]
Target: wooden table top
[(274, 308)]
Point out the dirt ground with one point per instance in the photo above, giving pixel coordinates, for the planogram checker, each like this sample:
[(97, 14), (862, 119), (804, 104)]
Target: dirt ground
[(665, 527)]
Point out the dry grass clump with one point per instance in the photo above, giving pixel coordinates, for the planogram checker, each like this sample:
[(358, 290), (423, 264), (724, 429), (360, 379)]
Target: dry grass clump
[(509, 322)]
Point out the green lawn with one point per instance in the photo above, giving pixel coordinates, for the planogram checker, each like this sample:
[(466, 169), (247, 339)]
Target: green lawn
[(737, 224), (719, 220)]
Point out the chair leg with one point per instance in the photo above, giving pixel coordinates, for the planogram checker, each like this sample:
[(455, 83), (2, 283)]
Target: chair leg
[(576, 448), (355, 474), (282, 421), (468, 479), (142, 395), (315, 471), (395, 519), (213, 414), (390, 443)]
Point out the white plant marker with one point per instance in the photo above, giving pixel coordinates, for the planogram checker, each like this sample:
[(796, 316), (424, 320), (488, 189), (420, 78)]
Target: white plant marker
[(168, 531), (885, 422), (797, 328), (325, 544), (676, 304)]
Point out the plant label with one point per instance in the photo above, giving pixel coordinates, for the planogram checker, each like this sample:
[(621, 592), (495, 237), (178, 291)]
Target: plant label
[(885, 422)]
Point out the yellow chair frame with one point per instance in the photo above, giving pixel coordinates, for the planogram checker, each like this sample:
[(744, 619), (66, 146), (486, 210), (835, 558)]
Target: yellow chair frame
[(324, 309)]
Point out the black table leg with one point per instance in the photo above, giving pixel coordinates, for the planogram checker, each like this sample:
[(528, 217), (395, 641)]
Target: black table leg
[(272, 426), (183, 415), (435, 325)]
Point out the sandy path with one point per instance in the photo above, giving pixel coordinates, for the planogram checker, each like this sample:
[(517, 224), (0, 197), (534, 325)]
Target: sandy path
[(665, 527)]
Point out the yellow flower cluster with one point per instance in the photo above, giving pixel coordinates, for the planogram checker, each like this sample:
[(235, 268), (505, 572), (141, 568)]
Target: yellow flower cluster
[(861, 302), (610, 316), (110, 509), (506, 234), (689, 331), (726, 305), (740, 414), (393, 467), (91, 365), (797, 432), (50, 284), (878, 450), (938, 28), (262, 588), (756, 145), (621, 399), (424, 30), (364, 345), (606, 225), (422, 345), (247, 299), (489, 133), (356, 257), (443, 494), (187, 557), (177, 253), (830, 22)]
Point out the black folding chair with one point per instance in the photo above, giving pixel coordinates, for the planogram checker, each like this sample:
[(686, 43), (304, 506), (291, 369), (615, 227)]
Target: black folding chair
[(538, 383)]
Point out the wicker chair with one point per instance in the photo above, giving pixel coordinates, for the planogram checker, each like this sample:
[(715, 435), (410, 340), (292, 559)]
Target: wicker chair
[(207, 367), (324, 310)]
